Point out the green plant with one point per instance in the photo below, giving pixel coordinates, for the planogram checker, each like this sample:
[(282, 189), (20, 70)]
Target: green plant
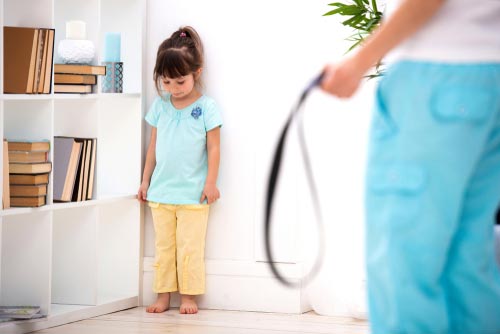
[(363, 16)]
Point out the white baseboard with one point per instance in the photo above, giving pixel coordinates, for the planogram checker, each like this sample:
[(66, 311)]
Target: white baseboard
[(239, 285)]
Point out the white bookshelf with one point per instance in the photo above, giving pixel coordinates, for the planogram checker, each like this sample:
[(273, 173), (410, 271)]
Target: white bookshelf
[(81, 259)]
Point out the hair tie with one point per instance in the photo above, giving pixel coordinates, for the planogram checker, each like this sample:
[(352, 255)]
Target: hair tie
[(183, 34)]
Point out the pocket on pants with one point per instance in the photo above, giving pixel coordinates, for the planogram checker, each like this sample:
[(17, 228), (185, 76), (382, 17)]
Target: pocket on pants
[(463, 103), (395, 193), (153, 205), (383, 125)]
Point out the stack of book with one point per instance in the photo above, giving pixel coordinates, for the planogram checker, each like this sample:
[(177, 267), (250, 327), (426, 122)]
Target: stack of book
[(6, 189), (20, 313), (74, 168), (28, 58), (73, 78), (29, 170)]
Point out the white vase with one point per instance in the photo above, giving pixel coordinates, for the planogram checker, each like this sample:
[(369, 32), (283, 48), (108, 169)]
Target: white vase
[(76, 51)]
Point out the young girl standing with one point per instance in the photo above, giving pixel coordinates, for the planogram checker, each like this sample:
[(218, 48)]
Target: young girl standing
[(180, 172)]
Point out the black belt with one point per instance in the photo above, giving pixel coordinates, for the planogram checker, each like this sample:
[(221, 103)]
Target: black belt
[(271, 187)]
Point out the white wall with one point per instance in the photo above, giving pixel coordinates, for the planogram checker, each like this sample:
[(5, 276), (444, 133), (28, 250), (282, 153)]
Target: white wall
[(259, 55)]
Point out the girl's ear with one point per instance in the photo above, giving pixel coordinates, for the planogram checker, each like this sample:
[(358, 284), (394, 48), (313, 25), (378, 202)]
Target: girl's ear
[(197, 74)]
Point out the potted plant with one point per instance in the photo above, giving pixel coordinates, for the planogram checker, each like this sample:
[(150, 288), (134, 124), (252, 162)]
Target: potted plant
[(363, 16)]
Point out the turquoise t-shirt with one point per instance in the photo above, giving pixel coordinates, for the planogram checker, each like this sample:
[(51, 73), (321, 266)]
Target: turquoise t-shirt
[(181, 149)]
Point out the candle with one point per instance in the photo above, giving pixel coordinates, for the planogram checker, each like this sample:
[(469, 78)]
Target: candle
[(75, 30), (112, 47)]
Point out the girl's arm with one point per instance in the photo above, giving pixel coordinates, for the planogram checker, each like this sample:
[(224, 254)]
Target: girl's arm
[(149, 167), (343, 79), (210, 191)]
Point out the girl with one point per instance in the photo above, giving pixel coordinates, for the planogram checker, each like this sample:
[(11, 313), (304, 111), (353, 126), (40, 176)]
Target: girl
[(180, 172), (434, 167)]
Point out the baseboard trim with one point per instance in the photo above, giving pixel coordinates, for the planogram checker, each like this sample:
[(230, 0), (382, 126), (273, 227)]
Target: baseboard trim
[(240, 285)]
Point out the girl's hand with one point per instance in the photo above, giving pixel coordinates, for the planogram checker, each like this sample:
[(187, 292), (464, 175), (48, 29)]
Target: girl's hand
[(343, 79), (210, 193), (143, 191)]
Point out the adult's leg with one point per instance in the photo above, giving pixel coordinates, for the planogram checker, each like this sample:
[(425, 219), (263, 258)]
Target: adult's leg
[(426, 140), (472, 276)]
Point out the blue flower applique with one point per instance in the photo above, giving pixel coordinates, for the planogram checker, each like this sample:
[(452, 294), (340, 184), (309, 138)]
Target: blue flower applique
[(196, 112)]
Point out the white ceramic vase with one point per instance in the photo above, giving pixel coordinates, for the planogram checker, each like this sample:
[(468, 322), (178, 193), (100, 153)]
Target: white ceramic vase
[(76, 51)]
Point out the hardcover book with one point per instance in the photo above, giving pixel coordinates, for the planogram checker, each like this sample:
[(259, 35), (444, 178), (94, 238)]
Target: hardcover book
[(73, 79), (67, 153), (28, 179), (27, 145), (80, 69), (28, 191), (20, 48), (28, 156), (34, 168), (61, 88), (27, 201), (6, 190)]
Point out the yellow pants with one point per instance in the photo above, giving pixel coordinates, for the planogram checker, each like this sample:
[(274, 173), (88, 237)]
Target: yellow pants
[(180, 232)]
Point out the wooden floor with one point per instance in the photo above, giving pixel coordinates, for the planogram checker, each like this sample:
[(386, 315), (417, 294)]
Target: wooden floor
[(137, 321)]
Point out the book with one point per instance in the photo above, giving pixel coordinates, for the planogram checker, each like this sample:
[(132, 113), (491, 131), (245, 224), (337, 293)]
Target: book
[(28, 191), (27, 168), (67, 153), (93, 155), (86, 170), (20, 46), (85, 173), (38, 59), (61, 88), (43, 61), (80, 69), (83, 79), (47, 85), (26, 145), (28, 179), (27, 201), (28, 156), (19, 312), (6, 190), (79, 182)]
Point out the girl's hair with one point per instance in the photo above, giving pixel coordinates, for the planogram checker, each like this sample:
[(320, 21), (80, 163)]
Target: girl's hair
[(179, 55)]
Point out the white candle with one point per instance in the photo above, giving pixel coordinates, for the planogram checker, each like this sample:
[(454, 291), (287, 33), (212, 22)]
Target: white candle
[(75, 30)]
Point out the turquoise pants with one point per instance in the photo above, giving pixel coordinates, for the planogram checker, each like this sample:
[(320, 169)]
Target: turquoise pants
[(433, 186)]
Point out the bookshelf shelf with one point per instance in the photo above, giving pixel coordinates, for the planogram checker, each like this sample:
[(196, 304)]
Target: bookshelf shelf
[(25, 97), (63, 206), (95, 244), (50, 97)]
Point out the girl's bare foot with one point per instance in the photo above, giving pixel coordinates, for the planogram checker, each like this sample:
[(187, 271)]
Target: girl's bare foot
[(188, 305), (161, 305)]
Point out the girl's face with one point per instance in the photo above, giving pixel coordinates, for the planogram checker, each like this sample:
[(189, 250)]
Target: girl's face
[(179, 87)]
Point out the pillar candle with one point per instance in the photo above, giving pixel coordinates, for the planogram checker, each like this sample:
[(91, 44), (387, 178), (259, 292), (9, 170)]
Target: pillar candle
[(112, 44), (75, 30)]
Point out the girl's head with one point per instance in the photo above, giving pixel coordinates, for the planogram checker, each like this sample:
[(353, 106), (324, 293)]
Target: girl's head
[(179, 62)]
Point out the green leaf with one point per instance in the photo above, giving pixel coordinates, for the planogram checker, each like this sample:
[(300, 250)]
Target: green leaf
[(374, 5), (332, 12), (337, 4), (354, 45), (373, 22), (352, 10), (351, 22), (359, 3)]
